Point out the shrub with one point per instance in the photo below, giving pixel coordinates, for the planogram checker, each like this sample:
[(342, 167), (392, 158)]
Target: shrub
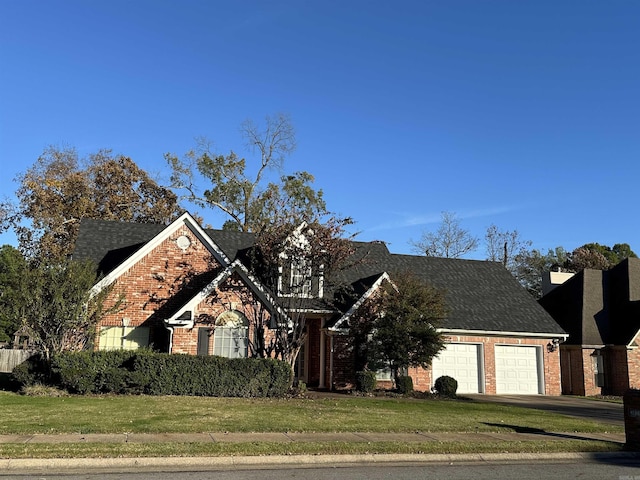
[(33, 371), (404, 384), (93, 371), (39, 390), (366, 381), (144, 371), (167, 374), (446, 386)]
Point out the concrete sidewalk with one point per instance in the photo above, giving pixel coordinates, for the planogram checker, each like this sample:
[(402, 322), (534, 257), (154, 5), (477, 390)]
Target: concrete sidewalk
[(147, 464), (287, 437)]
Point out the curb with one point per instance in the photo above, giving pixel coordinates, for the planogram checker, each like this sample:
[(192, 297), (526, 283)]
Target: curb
[(57, 465)]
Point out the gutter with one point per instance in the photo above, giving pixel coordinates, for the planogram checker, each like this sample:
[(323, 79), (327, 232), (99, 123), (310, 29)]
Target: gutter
[(489, 333)]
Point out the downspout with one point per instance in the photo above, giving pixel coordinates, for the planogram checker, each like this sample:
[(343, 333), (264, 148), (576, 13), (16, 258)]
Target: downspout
[(170, 337)]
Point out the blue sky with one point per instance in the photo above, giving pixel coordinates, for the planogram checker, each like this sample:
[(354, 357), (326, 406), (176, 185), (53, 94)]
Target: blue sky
[(521, 114)]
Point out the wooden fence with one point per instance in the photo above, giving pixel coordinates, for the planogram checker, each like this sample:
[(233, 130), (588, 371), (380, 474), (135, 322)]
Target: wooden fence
[(10, 358)]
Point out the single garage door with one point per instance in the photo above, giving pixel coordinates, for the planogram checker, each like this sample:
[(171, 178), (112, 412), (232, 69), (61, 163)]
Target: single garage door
[(517, 369), (460, 361)]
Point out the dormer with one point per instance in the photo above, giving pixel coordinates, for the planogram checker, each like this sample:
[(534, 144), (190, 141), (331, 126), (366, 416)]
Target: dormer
[(299, 274)]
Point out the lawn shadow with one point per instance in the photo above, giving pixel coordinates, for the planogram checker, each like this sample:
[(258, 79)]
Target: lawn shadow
[(539, 431)]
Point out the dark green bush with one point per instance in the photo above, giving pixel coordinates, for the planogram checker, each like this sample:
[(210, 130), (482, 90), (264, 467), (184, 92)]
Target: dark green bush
[(366, 381), (93, 372), (165, 374), (33, 371), (446, 386), (144, 371), (404, 384)]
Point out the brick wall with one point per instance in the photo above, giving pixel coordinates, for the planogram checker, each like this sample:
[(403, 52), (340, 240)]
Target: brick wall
[(621, 370), (616, 371), (150, 283), (423, 378), (343, 362), (633, 362)]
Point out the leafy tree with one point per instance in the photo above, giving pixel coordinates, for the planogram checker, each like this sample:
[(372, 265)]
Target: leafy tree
[(13, 291), (295, 262), (449, 241), (400, 325), (598, 257), (533, 264), (505, 247), (241, 191), (585, 257), (60, 189), (62, 312)]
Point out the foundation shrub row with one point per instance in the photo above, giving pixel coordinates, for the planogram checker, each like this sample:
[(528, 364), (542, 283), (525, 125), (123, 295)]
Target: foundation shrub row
[(151, 373)]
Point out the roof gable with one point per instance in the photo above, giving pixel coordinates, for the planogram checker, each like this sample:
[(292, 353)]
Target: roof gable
[(482, 296), (200, 295), (138, 252)]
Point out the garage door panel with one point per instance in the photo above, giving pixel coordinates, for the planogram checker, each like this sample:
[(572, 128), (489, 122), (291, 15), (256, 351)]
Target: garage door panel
[(460, 361), (517, 369)]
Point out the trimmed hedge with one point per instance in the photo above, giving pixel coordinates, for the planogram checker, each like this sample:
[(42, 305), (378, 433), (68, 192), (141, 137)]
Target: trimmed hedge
[(366, 381), (166, 374), (94, 372), (147, 372), (404, 384), (34, 370), (446, 386)]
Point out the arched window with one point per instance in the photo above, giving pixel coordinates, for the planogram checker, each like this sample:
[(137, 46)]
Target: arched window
[(231, 335)]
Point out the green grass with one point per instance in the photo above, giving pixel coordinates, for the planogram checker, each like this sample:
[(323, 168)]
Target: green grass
[(112, 450), (145, 414)]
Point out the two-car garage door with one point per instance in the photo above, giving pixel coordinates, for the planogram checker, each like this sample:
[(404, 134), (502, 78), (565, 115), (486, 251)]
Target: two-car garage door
[(517, 368)]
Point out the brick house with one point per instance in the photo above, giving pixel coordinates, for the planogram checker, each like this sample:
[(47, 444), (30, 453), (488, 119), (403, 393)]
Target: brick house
[(600, 310), (188, 290)]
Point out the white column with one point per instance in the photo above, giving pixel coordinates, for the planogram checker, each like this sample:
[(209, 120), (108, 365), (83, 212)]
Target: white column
[(322, 358), (330, 362)]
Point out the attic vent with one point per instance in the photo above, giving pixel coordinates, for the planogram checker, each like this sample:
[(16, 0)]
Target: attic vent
[(185, 317), (183, 242)]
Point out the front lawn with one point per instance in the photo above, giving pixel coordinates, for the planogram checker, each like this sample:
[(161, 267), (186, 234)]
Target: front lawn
[(146, 414)]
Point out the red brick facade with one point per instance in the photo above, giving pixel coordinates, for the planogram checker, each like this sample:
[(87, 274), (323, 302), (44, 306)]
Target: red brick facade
[(620, 370), (343, 374), (149, 285), (167, 276)]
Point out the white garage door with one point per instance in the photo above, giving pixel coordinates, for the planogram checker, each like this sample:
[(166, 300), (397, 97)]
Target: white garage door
[(517, 369), (460, 361)]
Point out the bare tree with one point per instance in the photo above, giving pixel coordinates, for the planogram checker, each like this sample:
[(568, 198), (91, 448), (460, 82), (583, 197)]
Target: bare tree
[(506, 247), (239, 190), (449, 241)]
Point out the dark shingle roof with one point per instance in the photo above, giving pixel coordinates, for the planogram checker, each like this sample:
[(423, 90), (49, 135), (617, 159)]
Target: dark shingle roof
[(109, 243), (599, 307), (481, 295)]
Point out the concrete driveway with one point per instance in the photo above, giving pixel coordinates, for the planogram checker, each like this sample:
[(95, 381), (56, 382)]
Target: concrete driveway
[(606, 412)]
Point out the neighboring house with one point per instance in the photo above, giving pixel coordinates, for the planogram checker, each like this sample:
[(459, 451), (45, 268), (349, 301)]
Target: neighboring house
[(188, 290), (601, 312)]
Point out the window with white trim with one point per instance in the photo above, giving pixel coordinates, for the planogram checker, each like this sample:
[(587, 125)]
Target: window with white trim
[(384, 374), (231, 335), (300, 279), (123, 338)]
